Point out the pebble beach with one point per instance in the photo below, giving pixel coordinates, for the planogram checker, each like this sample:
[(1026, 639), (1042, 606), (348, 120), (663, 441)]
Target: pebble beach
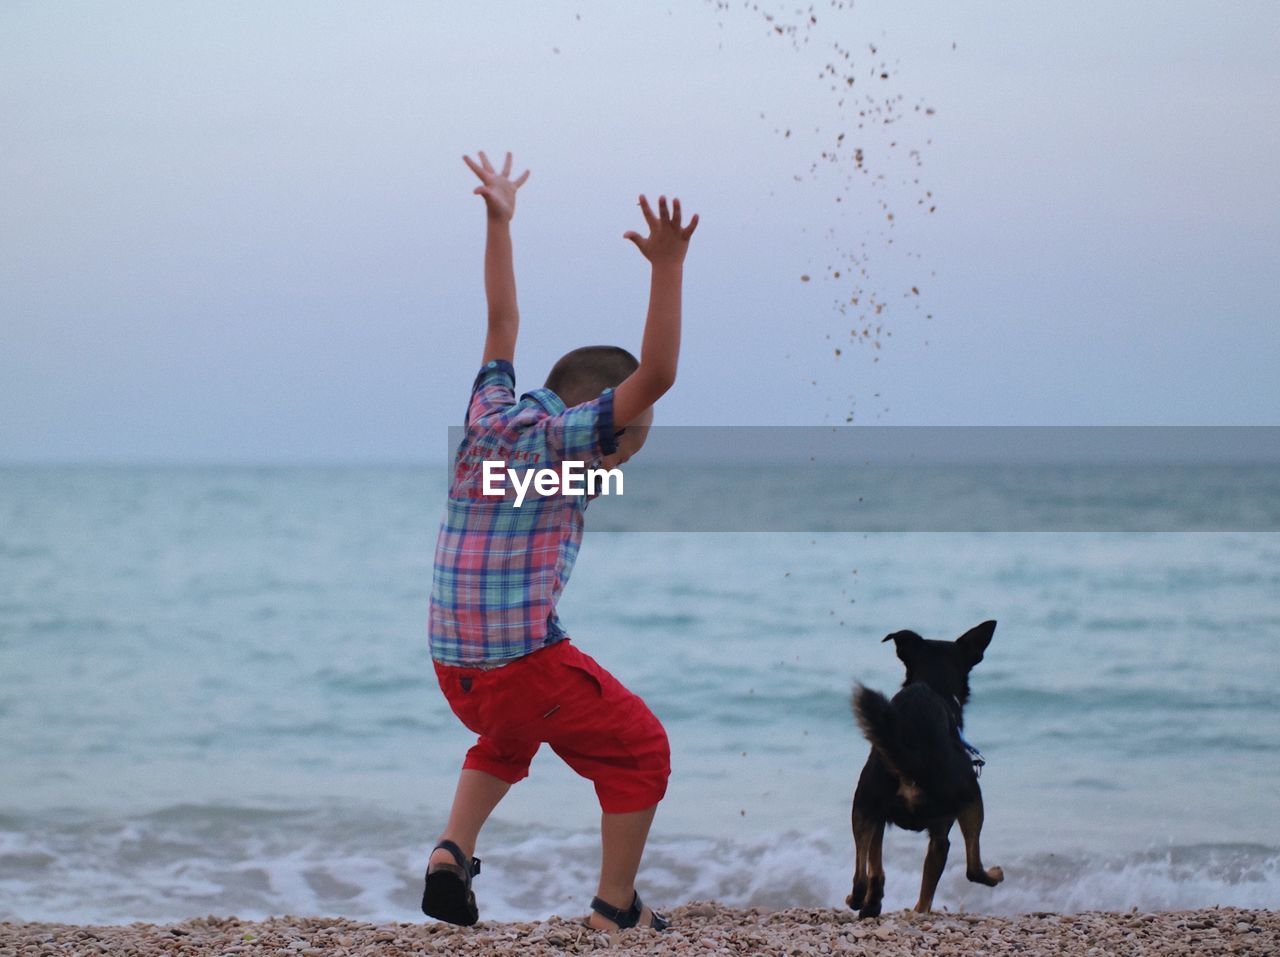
[(697, 928)]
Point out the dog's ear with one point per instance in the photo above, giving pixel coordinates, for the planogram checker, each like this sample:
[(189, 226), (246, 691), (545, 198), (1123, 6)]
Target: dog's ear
[(908, 644), (974, 641)]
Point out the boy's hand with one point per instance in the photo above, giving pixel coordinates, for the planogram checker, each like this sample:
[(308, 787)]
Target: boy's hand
[(498, 189), (667, 242), (665, 248)]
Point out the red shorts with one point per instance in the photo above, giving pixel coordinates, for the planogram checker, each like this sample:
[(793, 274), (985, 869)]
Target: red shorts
[(561, 696)]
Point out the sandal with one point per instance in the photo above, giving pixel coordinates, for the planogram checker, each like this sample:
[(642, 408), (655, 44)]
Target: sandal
[(447, 893), (630, 917)]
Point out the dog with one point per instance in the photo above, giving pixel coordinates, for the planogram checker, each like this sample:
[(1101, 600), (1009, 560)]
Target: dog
[(921, 774)]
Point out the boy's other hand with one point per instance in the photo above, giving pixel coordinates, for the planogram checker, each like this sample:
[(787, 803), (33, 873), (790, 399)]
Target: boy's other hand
[(667, 241), (498, 189)]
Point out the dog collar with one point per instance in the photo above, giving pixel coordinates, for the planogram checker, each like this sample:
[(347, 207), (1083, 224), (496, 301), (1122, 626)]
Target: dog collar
[(975, 755)]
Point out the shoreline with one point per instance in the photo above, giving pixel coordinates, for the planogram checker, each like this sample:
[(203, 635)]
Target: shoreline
[(697, 928)]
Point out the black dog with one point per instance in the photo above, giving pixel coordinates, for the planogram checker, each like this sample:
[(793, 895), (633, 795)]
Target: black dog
[(922, 774)]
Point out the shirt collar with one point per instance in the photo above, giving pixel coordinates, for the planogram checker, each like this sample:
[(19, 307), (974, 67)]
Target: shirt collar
[(549, 401)]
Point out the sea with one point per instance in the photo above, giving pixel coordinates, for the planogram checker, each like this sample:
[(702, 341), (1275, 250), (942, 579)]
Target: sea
[(216, 695)]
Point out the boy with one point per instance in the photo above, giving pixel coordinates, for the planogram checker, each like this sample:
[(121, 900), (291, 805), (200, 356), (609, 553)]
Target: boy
[(507, 668)]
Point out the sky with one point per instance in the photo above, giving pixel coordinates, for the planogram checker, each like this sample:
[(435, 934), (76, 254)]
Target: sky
[(243, 232)]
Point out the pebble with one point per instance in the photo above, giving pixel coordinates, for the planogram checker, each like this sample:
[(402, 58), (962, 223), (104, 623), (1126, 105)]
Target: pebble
[(700, 928)]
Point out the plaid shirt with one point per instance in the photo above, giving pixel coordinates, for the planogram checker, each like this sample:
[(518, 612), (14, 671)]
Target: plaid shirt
[(499, 570)]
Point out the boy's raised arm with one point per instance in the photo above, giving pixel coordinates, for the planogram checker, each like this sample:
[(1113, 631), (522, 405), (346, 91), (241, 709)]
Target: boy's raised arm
[(499, 192), (665, 248)]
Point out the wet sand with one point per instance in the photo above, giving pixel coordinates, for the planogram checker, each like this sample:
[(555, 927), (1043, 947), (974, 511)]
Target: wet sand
[(699, 928)]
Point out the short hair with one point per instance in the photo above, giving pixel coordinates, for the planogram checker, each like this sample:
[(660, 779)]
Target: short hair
[(581, 375)]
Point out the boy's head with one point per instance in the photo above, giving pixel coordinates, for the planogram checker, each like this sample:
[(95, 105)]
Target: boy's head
[(584, 373)]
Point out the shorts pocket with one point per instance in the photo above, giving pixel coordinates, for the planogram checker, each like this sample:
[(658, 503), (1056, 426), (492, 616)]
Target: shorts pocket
[(581, 668), (516, 706)]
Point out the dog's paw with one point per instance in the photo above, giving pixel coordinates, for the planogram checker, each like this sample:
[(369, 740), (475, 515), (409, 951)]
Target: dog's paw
[(855, 899), (990, 877), (871, 910)]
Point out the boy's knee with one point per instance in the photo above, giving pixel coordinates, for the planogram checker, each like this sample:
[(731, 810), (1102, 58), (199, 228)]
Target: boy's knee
[(641, 781), (638, 791), (510, 764)]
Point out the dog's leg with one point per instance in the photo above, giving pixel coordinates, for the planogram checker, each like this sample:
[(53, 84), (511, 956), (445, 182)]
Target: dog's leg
[(875, 871), (861, 841), (935, 859), (970, 819)]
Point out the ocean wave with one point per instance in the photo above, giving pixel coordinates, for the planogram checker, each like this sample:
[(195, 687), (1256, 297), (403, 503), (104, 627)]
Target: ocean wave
[(254, 862)]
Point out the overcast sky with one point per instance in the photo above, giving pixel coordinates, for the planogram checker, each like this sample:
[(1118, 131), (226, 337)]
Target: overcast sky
[(243, 231)]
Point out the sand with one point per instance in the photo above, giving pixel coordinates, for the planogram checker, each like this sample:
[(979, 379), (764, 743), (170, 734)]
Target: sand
[(698, 928)]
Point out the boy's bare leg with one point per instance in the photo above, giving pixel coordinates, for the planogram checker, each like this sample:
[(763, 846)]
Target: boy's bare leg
[(622, 840), (478, 794)]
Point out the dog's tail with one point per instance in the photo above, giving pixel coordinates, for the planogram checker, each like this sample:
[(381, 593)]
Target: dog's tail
[(876, 718), (878, 723)]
